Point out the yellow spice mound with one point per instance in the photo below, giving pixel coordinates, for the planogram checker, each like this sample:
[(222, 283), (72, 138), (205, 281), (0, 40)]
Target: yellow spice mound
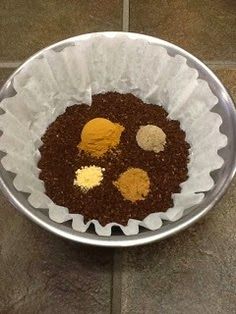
[(99, 135), (88, 177), (133, 184)]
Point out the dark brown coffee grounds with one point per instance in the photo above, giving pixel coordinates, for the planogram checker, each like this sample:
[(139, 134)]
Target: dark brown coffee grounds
[(60, 159)]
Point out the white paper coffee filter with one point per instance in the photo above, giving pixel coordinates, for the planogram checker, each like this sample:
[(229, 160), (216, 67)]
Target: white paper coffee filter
[(100, 63)]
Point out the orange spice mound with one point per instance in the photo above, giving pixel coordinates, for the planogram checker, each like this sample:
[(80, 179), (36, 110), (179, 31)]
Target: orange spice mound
[(100, 135), (133, 184)]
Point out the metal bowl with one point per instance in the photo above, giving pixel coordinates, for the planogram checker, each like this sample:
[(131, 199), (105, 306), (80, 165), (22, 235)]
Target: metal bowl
[(222, 177)]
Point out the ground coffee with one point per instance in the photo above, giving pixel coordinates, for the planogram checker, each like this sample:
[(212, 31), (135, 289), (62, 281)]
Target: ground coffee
[(60, 158)]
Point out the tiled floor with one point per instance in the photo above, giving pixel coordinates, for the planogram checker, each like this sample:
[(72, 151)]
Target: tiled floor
[(31, 25), (205, 28), (193, 272), (41, 273)]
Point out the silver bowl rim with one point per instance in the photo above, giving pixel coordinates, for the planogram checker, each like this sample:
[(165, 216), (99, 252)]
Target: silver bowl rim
[(144, 237)]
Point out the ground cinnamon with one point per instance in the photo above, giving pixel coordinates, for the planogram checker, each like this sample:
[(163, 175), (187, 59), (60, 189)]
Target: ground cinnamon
[(133, 184)]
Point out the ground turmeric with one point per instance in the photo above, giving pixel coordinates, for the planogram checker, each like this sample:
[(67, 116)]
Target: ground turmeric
[(100, 135)]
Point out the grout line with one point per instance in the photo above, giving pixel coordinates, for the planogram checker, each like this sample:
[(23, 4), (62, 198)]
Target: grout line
[(116, 282), (221, 64), (125, 22), (10, 64), (213, 63)]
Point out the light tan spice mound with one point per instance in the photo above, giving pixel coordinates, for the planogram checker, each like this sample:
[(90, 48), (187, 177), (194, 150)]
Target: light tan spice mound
[(133, 184), (99, 135), (87, 178), (151, 138)]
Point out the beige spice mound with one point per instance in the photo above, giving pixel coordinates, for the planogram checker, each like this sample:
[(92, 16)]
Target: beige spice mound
[(151, 138)]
